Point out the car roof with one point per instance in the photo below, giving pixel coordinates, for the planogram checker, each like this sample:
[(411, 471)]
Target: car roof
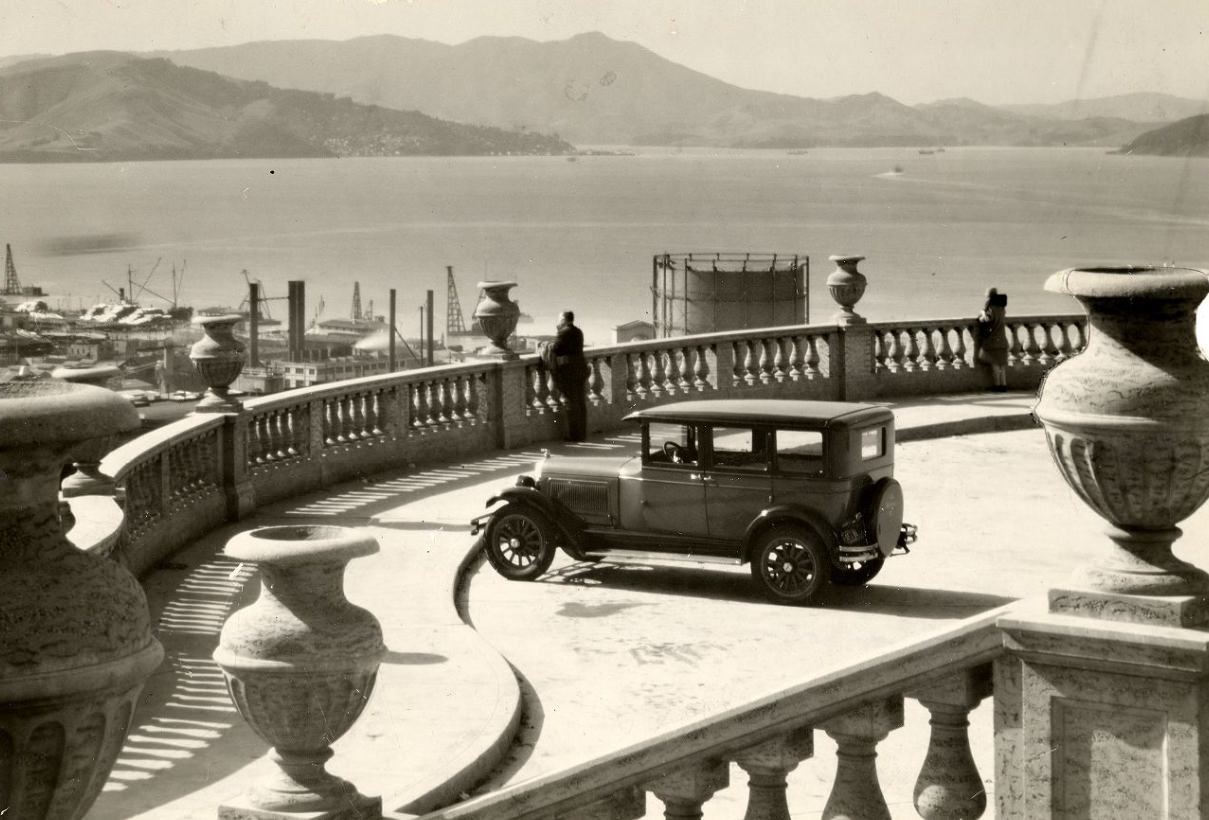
[(768, 411)]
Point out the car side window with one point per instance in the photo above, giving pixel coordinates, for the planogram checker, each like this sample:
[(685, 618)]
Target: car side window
[(800, 451), (740, 448), (671, 444)]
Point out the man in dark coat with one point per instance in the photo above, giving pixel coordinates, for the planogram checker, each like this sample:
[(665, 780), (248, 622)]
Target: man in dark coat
[(571, 374)]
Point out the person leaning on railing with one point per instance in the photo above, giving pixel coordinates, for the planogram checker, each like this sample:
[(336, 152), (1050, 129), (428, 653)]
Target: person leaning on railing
[(992, 338), (565, 359)]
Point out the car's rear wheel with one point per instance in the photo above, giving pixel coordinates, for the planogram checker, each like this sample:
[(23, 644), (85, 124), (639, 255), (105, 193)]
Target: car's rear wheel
[(855, 575), (520, 542), (790, 564)]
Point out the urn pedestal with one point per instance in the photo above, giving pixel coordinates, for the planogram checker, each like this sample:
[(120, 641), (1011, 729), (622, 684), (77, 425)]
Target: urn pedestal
[(218, 358), (497, 316), (1126, 425), (76, 644), (300, 664), (1102, 699), (847, 285)]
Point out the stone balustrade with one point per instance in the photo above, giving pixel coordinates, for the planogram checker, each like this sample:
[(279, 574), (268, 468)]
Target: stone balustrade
[(186, 478), (950, 673), (922, 357)]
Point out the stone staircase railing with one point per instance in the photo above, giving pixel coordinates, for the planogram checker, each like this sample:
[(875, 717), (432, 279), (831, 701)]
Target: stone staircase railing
[(858, 706), (183, 480)]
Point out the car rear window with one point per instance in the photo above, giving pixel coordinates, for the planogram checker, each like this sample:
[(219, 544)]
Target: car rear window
[(873, 443), (800, 451)]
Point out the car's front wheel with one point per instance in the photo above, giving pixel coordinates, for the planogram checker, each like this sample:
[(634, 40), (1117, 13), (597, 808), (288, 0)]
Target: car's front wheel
[(520, 542), (790, 564), (855, 575)]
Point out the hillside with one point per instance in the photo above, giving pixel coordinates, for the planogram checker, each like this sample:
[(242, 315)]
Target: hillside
[(104, 106), (1186, 138), (1137, 107), (591, 89)]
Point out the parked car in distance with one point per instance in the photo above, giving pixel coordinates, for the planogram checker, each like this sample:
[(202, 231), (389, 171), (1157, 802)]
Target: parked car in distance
[(803, 491)]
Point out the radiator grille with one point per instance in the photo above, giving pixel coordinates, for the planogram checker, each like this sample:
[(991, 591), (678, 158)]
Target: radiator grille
[(585, 498)]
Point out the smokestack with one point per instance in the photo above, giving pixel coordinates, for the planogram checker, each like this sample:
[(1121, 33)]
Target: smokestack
[(297, 335), (428, 327), (254, 324)]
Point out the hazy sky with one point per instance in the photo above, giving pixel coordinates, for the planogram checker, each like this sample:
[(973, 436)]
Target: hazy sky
[(995, 51)]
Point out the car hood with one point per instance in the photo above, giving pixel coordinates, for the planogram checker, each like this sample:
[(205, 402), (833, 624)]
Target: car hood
[(584, 466)]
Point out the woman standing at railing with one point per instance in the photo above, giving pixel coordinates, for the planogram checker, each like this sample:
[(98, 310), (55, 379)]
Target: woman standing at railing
[(992, 338)]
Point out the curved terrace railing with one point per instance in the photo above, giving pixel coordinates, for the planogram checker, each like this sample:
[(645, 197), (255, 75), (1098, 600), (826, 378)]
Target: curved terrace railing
[(183, 480)]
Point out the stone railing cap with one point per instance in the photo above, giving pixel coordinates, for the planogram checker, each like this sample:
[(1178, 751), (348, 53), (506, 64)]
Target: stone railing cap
[(50, 410)]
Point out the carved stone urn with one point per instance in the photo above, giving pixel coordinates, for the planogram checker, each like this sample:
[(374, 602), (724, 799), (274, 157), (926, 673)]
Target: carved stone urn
[(498, 315), (218, 358), (847, 286), (300, 664), (87, 479), (1127, 427), (75, 635)]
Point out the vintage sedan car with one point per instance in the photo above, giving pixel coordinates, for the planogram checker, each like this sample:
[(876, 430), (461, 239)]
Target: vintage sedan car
[(803, 491)]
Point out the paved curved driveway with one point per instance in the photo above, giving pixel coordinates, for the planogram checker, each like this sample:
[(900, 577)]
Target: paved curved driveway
[(615, 654)]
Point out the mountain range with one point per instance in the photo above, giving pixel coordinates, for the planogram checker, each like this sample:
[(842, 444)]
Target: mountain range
[(591, 89), (103, 106), (491, 95)]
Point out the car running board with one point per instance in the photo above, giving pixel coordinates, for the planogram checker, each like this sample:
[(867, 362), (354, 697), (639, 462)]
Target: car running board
[(658, 558)]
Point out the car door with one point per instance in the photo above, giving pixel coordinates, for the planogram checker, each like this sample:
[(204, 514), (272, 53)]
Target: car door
[(738, 482), (667, 496)]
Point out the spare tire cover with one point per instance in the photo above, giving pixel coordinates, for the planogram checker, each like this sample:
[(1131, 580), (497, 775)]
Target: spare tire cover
[(886, 514)]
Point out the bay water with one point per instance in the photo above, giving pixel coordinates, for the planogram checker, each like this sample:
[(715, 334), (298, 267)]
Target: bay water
[(937, 229)]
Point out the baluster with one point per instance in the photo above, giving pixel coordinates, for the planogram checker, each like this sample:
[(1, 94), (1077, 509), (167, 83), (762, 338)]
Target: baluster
[(419, 405), (765, 364), (1053, 352), (911, 351), (277, 434), (554, 398), (944, 353), (1062, 344), (949, 786), (253, 454), (1015, 349), (595, 382), (472, 397), (659, 376), (290, 425), (1032, 351), (893, 351), (685, 360), (684, 792), (960, 350), (857, 794), (795, 360), (810, 367), (642, 377), (749, 363), (264, 435), (357, 407), (329, 423), (927, 353), (375, 407), (1045, 349), (701, 382), (767, 766), (879, 352), (440, 403), (537, 389), (457, 393)]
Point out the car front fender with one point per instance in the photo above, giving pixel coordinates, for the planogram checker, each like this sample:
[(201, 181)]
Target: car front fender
[(567, 522), (788, 513)]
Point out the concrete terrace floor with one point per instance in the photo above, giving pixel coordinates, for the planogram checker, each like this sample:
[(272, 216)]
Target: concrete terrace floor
[(494, 682)]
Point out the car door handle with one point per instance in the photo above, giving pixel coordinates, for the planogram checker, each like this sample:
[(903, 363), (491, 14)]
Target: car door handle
[(704, 478)]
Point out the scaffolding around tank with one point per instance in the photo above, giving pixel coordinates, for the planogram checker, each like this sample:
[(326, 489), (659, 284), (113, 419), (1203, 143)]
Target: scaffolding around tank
[(712, 292)]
